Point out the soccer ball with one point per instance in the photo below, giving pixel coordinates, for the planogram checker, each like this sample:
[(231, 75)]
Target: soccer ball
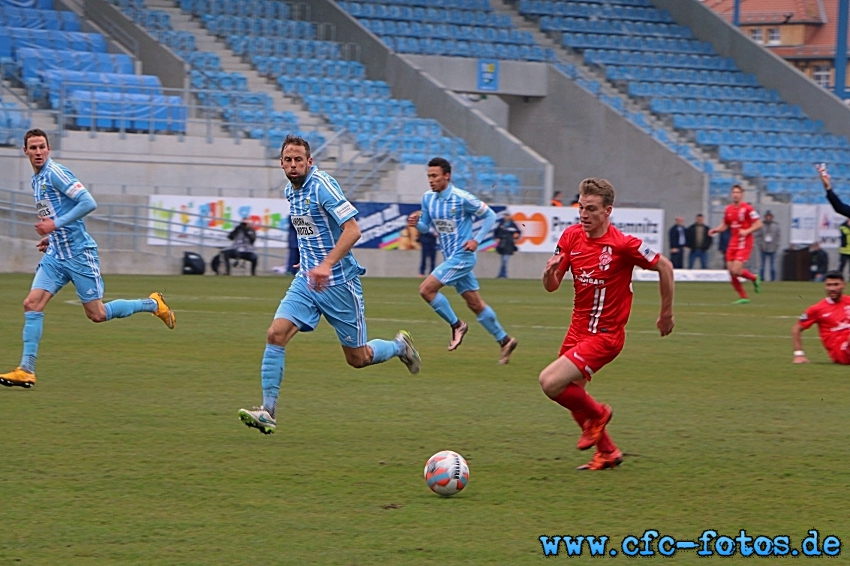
[(446, 473)]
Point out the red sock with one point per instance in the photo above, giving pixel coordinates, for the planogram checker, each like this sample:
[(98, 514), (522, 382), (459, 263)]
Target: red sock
[(605, 444), (576, 400), (747, 274), (738, 287), (579, 418)]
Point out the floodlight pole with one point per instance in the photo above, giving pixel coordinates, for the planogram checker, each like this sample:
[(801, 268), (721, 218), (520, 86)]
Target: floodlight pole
[(841, 50), (736, 14)]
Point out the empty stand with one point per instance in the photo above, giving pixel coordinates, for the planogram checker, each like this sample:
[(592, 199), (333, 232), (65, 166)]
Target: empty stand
[(725, 112)]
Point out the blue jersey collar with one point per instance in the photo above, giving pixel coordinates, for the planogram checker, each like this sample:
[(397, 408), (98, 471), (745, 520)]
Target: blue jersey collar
[(307, 179), (444, 194)]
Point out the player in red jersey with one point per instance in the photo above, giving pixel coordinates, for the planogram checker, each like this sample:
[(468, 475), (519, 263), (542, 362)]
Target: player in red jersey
[(601, 260), (832, 315), (743, 220)]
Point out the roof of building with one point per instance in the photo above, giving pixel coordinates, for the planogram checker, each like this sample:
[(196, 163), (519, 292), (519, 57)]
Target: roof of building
[(819, 16)]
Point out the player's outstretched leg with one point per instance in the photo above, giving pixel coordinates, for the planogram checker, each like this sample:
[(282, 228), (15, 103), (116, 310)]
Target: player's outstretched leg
[(162, 311), (400, 347), (757, 284), (122, 308)]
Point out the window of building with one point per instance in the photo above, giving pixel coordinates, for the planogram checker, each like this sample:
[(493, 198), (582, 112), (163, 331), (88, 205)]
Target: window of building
[(773, 36), (755, 35), (822, 75)]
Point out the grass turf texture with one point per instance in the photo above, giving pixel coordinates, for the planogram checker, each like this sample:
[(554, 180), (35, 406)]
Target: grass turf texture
[(129, 450)]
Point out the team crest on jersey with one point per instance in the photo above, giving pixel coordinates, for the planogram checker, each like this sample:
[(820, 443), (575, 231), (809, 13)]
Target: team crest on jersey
[(605, 258)]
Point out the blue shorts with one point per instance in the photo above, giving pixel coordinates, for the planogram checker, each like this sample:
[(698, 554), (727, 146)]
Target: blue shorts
[(83, 270), (342, 305), (457, 272)]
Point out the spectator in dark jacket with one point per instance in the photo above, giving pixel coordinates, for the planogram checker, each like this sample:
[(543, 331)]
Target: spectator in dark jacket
[(677, 243), (698, 242), (507, 233)]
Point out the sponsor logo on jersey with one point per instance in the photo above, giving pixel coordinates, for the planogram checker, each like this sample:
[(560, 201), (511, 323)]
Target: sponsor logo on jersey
[(605, 258), (304, 226), (445, 225), (586, 278)]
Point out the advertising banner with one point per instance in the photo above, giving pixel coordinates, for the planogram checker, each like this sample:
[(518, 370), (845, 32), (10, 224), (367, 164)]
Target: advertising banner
[(542, 226), (815, 223), (187, 220)]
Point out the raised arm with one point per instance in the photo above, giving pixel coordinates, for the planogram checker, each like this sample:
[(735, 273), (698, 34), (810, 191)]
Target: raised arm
[(837, 205)]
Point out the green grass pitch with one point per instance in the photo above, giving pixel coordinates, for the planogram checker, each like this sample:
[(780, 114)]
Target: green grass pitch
[(129, 449)]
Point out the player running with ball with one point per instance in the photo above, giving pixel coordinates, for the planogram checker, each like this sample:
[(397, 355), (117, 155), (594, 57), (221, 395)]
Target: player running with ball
[(601, 260)]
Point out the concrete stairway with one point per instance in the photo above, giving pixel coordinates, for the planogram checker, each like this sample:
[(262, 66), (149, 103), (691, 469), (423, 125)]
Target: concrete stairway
[(344, 154)]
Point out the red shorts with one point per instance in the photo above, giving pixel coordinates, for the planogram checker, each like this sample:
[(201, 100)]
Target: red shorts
[(592, 352), (738, 254), (839, 353)]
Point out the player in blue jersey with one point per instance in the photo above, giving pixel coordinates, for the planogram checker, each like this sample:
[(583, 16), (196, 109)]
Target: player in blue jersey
[(450, 211), (70, 256), (327, 282)]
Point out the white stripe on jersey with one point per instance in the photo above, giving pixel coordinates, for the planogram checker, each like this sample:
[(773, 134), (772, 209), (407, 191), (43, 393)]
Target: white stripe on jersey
[(322, 178), (596, 311), (58, 171)]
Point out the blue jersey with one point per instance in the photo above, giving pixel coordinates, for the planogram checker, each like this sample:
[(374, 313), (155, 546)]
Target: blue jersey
[(451, 213), (317, 210), (56, 191)]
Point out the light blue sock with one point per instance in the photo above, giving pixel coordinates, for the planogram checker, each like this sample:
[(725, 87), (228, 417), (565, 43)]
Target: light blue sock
[(383, 350), (123, 308), (272, 375), (441, 306), (33, 324), (488, 320)]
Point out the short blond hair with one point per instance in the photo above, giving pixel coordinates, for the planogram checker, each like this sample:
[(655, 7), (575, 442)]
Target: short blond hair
[(598, 187)]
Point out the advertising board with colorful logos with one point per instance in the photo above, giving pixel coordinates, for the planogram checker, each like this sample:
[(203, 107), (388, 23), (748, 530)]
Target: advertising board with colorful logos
[(185, 220), (541, 226)]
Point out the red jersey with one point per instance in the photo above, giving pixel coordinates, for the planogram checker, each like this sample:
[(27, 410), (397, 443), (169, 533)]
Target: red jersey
[(833, 320), (740, 218), (602, 276)]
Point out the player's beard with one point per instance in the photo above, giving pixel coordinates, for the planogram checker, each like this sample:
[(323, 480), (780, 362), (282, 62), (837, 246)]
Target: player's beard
[(296, 180)]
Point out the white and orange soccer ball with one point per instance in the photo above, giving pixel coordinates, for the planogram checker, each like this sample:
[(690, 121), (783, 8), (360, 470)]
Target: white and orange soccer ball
[(446, 473)]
